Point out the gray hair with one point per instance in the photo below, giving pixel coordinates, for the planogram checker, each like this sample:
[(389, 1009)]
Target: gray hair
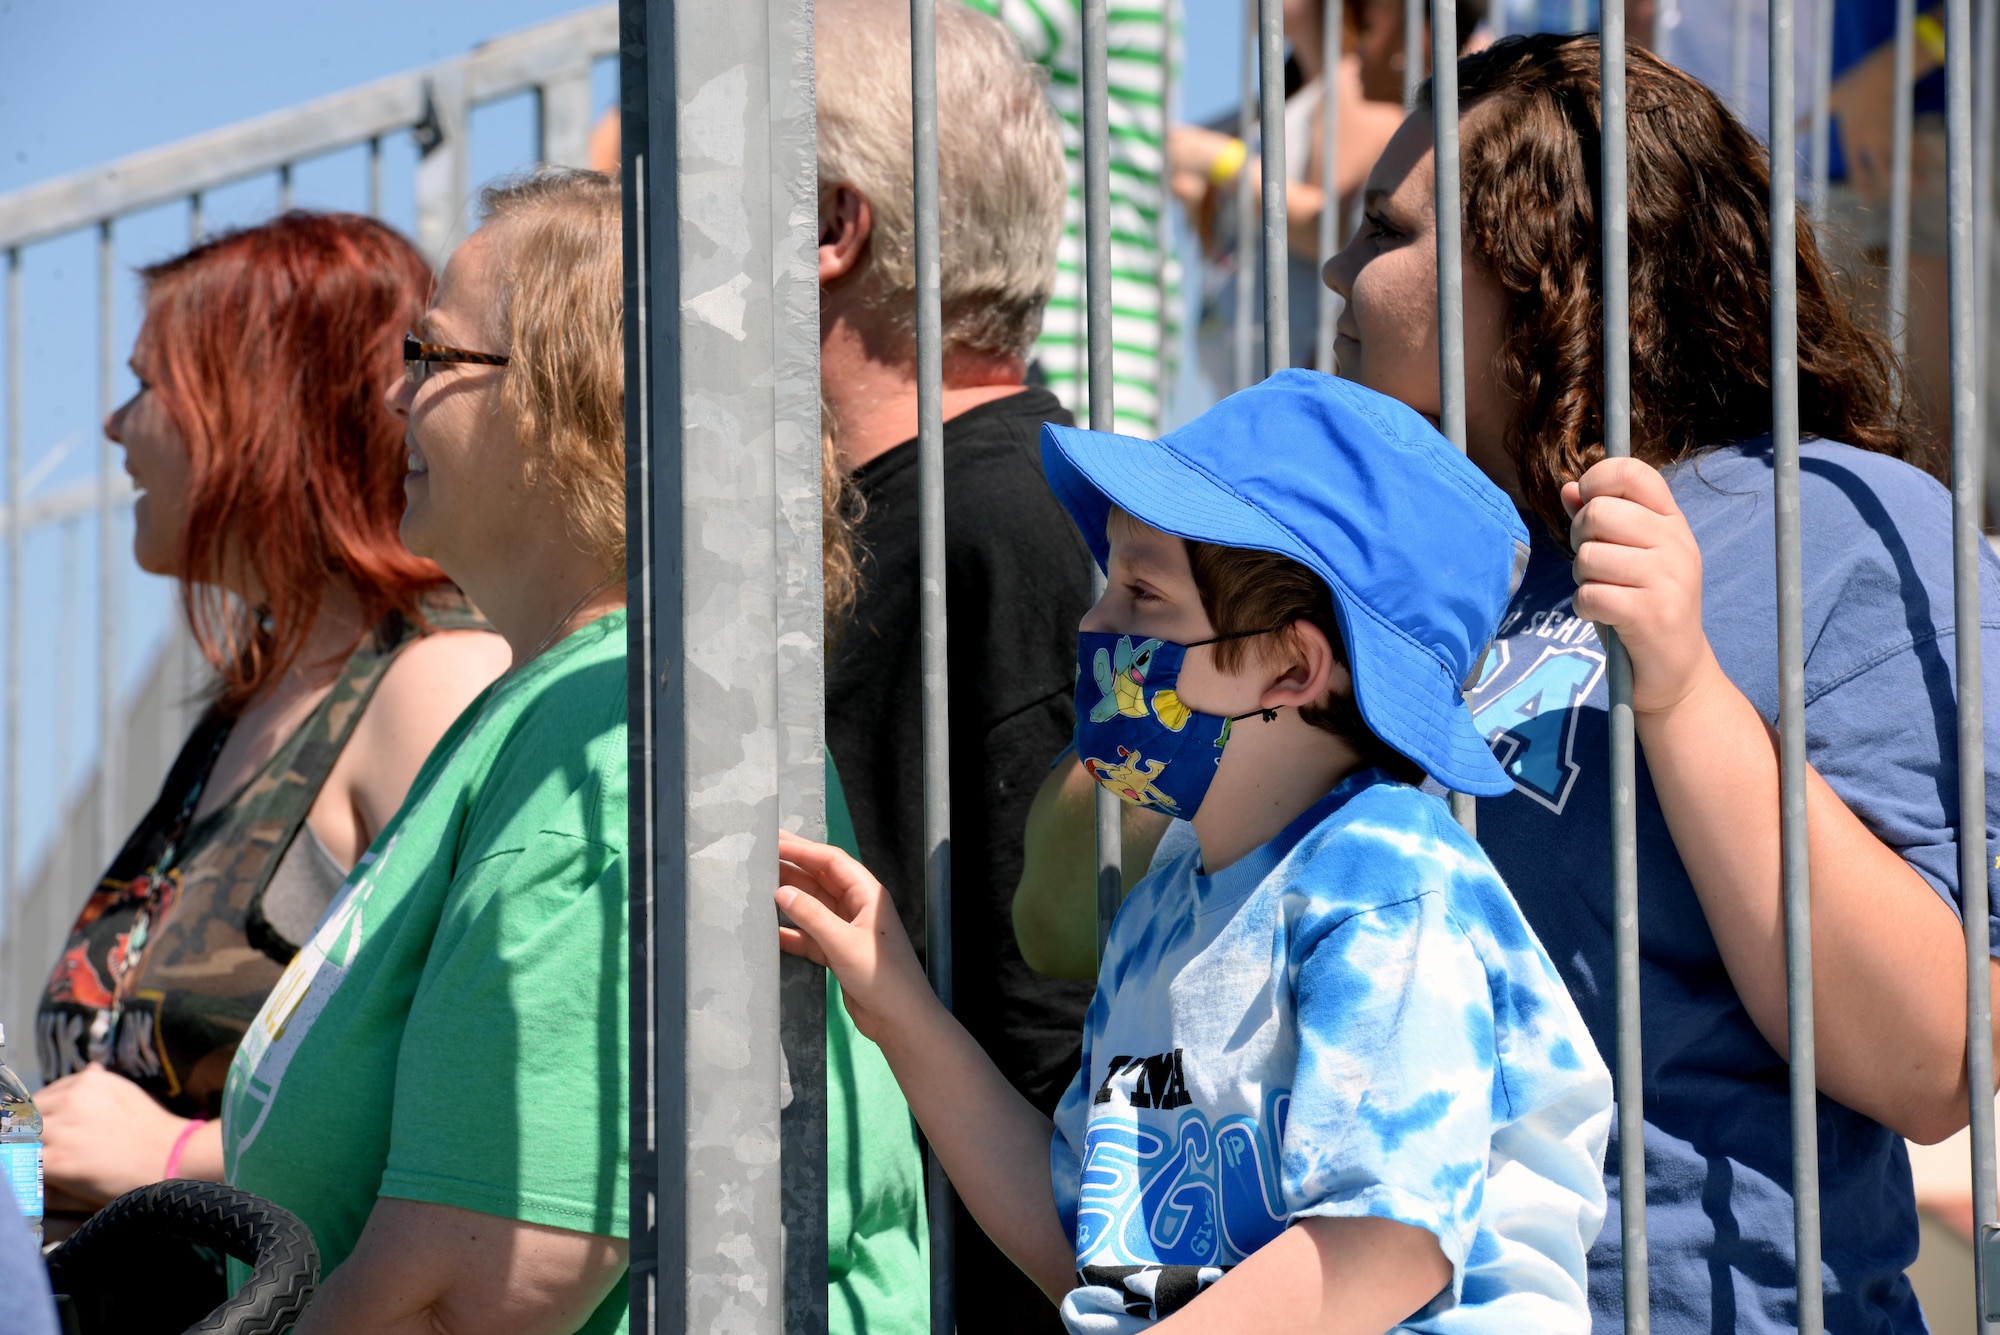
[(1002, 181)]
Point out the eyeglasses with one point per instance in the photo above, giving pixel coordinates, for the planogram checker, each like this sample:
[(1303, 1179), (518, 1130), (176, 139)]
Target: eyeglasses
[(418, 357)]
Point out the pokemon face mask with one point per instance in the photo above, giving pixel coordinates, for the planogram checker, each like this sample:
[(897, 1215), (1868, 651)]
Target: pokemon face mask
[(1134, 735)]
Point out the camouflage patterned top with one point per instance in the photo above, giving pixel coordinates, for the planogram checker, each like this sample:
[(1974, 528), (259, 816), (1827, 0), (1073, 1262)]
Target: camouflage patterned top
[(174, 953)]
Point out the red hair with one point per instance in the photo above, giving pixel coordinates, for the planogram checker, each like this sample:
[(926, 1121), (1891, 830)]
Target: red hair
[(271, 349)]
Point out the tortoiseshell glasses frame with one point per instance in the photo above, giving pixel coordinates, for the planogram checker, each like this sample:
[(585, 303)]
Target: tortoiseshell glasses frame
[(418, 357)]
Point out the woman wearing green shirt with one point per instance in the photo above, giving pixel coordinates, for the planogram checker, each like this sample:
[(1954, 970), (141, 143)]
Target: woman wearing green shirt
[(437, 1086)]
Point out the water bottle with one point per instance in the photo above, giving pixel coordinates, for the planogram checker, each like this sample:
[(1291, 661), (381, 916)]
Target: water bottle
[(20, 1143)]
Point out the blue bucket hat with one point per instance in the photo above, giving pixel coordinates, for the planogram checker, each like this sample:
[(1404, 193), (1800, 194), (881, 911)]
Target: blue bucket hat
[(1421, 551)]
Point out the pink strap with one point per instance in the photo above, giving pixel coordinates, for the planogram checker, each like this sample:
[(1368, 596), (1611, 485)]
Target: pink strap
[(180, 1145)]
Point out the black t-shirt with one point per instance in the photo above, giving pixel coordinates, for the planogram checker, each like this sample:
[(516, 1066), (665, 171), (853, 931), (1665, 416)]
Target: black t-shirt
[(1017, 582)]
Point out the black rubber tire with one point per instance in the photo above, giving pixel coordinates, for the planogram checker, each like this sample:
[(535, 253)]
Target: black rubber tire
[(99, 1265)]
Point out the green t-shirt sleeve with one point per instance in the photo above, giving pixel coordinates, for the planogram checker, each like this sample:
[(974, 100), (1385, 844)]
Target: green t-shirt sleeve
[(511, 1080)]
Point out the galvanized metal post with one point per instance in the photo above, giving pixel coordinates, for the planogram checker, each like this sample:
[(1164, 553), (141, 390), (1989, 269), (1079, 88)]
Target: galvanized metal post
[(1615, 221), (1822, 114), (1666, 18), (1986, 135), (1791, 670), (801, 611), (931, 604), (1413, 51), (1579, 15), (1967, 504), (1450, 264), (1277, 245), (108, 566), (1898, 295), (10, 857), (1097, 312), (708, 370), (1332, 32), (1246, 212)]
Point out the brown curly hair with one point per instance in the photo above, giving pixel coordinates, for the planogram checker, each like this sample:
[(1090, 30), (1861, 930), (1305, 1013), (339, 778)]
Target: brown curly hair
[(1700, 270)]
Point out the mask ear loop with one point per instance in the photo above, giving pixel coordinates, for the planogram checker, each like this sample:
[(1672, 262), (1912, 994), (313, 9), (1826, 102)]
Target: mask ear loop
[(1269, 715)]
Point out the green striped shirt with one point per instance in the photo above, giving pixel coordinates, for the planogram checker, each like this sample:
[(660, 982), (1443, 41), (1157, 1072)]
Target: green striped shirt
[(1143, 42)]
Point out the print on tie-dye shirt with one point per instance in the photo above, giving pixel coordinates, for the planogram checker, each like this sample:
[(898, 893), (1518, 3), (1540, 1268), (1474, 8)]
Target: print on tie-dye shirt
[(1352, 1020)]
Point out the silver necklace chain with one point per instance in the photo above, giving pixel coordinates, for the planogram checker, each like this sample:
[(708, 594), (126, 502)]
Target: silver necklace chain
[(562, 621)]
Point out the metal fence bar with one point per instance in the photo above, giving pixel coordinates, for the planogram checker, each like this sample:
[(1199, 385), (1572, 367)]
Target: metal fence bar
[(1666, 18), (196, 221), (1097, 309), (1986, 105), (1579, 15), (931, 604), (374, 175), (1450, 265), (1615, 223), (10, 858), (1332, 32), (1898, 295), (1245, 327), (107, 563), (1822, 117), (285, 187), (1791, 669), (1413, 51), (1967, 504), (1277, 242)]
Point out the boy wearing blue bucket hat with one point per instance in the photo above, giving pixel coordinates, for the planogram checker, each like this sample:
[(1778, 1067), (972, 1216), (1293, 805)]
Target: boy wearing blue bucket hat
[(1330, 1079)]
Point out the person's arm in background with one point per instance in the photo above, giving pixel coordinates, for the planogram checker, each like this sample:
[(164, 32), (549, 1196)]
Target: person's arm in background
[(1863, 103), (1888, 952), (1202, 165), (424, 1269), (1055, 905)]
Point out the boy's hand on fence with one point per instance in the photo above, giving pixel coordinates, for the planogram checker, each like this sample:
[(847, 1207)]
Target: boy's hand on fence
[(847, 922), (1638, 570)]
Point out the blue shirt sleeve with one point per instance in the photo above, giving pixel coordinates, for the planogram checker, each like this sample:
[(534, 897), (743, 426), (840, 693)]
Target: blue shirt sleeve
[(1392, 1109)]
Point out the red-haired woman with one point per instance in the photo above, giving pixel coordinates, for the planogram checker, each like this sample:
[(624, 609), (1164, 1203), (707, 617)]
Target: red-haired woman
[(270, 480)]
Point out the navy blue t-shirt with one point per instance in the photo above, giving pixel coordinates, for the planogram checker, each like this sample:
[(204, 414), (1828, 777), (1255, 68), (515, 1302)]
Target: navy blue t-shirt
[(1880, 729)]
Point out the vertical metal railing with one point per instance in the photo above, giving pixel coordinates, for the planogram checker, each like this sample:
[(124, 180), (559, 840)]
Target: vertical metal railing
[(108, 566), (1413, 50), (1271, 134), (1820, 113), (1739, 58), (1795, 872), (1244, 331), (10, 833), (1617, 421), (1897, 297), (1332, 34), (1968, 498), (931, 603), (1097, 324)]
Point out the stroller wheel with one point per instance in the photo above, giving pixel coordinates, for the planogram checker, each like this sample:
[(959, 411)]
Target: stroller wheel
[(149, 1263)]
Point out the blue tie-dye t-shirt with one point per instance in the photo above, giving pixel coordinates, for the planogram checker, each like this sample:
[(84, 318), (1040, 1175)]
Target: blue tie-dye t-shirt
[(1352, 1020)]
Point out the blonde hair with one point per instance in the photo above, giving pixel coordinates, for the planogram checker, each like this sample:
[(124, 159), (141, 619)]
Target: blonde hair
[(562, 302), (1002, 182)]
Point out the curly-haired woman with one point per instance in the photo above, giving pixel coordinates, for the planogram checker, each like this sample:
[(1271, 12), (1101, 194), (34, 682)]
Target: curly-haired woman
[(1675, 550), (270, 487)]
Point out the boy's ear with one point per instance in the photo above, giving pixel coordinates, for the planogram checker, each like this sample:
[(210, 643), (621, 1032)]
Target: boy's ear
[(1303, 669)]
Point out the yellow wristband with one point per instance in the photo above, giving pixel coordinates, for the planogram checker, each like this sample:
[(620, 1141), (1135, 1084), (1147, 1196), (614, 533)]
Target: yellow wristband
[(1931, 33), (1228, 162)]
